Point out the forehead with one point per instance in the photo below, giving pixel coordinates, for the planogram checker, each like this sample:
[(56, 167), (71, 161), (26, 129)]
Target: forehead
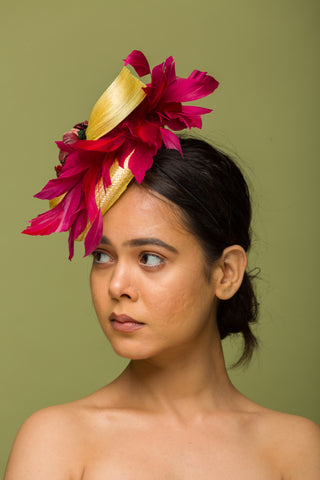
[(142, 212)]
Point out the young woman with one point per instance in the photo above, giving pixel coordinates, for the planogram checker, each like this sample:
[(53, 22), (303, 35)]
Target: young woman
[(168, 282)]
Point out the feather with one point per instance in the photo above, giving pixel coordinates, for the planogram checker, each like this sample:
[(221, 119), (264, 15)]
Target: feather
[(139, 62)]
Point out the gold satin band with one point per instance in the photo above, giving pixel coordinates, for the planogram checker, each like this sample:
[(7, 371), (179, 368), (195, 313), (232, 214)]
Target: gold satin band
[(115, 104), (120, 179)]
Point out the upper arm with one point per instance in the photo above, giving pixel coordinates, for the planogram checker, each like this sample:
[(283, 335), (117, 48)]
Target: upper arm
[(41, 449)]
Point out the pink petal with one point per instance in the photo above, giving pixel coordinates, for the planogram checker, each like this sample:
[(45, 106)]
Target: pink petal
[(63, 157), (171, 140), (139, 62), (77, 163), (141, 160), (64, 147), (77, 227), (59, 218), (189, 110), (105, 171), (175, 122), (181, 121), (70, 204), (170, 70), (157, 87), (124, 152), (103, 144), (94, 235), (89, 183), (197, 85), (187, 117), (148, 132), (57, 186), (45, 223)]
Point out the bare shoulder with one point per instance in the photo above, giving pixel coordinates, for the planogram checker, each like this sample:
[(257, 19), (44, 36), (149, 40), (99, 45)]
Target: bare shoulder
[(294, 442), (47, 445)]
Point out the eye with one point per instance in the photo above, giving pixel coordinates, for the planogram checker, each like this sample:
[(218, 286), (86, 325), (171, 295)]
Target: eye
[(151, 260), (101, 257)]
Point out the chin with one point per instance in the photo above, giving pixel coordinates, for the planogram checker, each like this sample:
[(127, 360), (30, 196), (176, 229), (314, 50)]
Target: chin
[(132, 352), (132, 355)]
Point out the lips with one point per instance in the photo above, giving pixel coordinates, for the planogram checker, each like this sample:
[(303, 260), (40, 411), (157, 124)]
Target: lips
[(124, 323)]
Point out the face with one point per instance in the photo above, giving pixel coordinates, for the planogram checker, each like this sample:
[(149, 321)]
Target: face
[(148, 284)]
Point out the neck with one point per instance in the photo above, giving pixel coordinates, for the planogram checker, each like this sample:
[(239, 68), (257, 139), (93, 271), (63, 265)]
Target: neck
[(181, 382)]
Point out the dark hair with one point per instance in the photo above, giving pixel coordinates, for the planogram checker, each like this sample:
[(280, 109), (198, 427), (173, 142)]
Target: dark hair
[(214, 200)]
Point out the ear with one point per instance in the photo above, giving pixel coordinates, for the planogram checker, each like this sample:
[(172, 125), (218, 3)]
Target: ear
[(229, 271)]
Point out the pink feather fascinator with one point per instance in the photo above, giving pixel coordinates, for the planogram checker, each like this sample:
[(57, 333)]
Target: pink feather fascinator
[(127, 126)]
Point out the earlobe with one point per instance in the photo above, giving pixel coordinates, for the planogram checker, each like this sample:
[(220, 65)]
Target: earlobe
[(230, 271)]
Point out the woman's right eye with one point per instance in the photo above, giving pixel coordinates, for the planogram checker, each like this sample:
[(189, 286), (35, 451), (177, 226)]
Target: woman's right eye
[(101, 257)]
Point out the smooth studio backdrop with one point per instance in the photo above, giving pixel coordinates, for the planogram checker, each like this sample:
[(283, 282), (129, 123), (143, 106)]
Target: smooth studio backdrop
[(57, 58)]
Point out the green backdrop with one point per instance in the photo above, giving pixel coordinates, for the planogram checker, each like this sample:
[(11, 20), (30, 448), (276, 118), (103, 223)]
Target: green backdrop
[(57, 58)]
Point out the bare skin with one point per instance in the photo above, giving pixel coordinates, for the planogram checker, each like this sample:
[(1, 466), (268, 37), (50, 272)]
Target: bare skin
[(173, 413)]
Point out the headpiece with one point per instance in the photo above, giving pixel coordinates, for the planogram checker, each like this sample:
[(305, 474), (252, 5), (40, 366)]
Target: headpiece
[(126, 128)]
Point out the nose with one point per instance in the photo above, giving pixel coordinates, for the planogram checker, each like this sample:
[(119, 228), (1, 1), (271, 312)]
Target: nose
[(121, 283)]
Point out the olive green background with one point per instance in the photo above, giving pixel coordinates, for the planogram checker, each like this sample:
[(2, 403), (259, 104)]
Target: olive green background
[(57, 58)]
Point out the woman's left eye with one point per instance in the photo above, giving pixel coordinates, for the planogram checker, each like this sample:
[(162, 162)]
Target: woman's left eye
[(151, 260)]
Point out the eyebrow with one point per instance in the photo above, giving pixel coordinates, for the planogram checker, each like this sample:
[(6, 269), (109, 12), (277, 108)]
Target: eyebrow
[(139, 242)]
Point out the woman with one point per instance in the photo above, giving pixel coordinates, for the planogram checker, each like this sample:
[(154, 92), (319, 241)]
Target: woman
[(168, 282)]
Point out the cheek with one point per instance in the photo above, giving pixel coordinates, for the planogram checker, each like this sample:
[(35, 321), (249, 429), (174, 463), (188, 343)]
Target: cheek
[(176, 300), (97, 293)]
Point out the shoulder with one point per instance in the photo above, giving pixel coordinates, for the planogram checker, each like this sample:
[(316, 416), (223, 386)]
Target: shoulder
[(300, 440), (46, 445), (294, 444)]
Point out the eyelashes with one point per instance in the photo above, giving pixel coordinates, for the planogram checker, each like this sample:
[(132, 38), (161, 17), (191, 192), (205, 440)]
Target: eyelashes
[(100, 257), (151, 260), (147, 260)]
